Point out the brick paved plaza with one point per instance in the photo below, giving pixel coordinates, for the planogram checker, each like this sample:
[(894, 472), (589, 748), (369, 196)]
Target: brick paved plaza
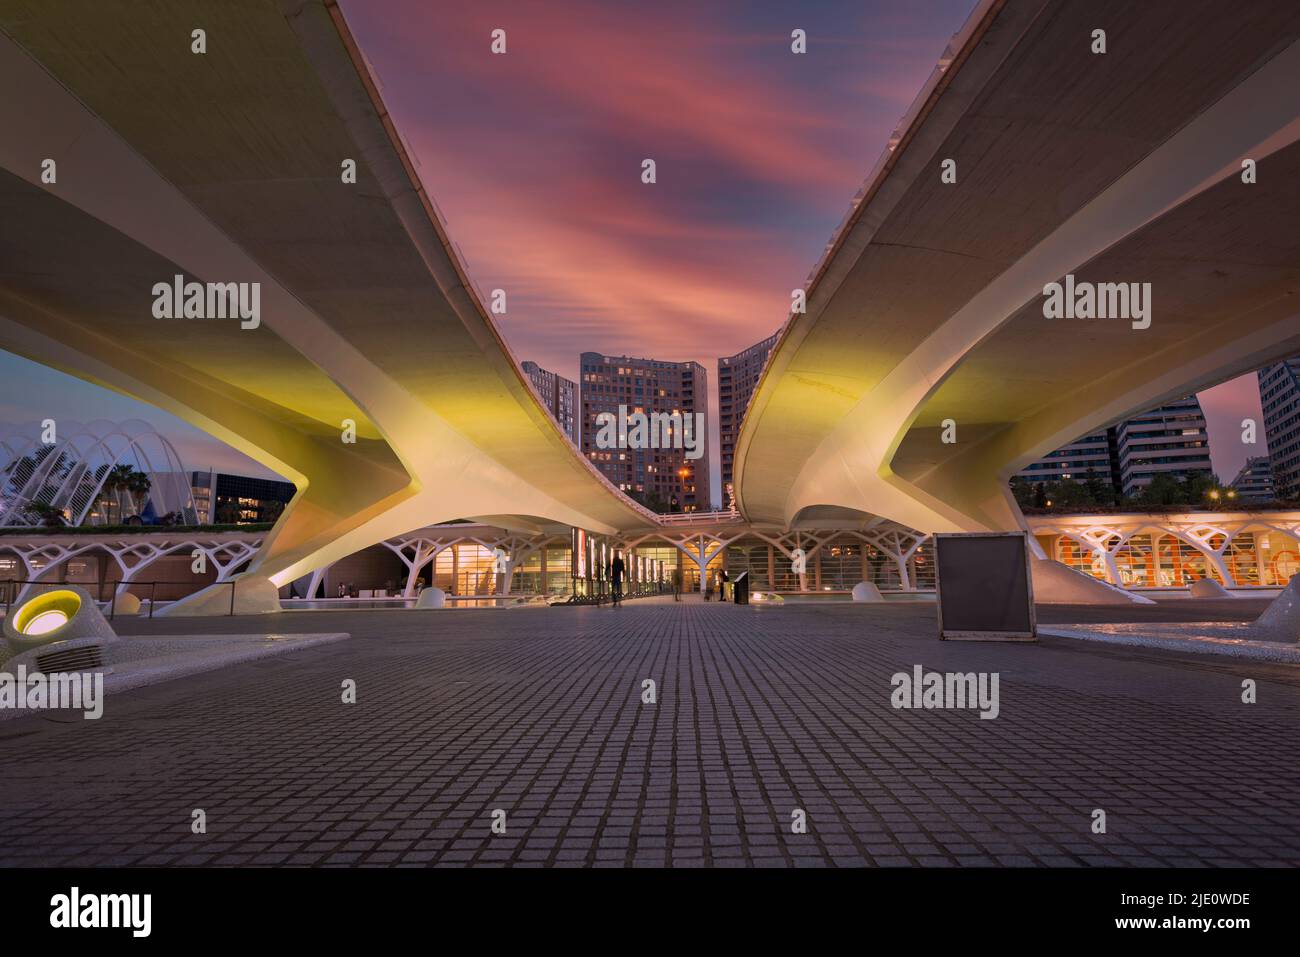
[(760, 711)]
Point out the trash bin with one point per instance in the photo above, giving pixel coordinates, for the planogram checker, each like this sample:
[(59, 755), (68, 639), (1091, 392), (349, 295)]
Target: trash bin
[(740, 588)]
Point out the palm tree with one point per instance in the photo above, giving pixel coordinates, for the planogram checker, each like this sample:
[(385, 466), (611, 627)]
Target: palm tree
[(138, 485), (115, 483)]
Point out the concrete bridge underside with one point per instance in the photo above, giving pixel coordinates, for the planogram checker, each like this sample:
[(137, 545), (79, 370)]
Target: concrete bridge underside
[(227, 167), (1116, 167)]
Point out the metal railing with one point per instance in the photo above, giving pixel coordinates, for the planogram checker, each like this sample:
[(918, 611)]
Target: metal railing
[(718, 517), (598, 592), (12, 592)]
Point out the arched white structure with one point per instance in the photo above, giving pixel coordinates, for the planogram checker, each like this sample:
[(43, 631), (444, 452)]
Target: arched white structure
[(1248, 552), (1237, 549), (69, 474), (44, 554)]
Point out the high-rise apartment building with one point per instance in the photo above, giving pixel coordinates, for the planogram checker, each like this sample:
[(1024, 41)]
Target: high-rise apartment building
[(737, 378), (647, 386), (1091, 454), (1168, 440), (559, 395), (1254, 483), (1279, 397)]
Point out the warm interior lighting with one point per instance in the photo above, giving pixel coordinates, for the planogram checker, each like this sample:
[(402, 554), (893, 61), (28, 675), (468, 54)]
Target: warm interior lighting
[(46, 622)]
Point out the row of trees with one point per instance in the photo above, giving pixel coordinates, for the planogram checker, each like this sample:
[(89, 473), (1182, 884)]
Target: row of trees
[(123, 486), (123, 493), (1096, 492)]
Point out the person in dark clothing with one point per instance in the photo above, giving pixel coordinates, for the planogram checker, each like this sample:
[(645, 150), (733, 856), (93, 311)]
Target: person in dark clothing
[(677, 584), (616, 570), (723, 581)]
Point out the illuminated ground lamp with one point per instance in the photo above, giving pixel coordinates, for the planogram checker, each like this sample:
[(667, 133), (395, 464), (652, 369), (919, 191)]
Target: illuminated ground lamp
[(57, 630)]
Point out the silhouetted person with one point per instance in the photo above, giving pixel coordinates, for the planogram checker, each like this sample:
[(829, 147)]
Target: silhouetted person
[(616, 568), (677, 584)]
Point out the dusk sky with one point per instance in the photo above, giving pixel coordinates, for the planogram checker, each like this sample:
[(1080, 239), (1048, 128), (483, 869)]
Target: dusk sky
[(534, 159)]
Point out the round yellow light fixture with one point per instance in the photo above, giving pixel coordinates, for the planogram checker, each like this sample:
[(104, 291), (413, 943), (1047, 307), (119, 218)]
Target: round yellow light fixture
[(63, 614), (46, 614)]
